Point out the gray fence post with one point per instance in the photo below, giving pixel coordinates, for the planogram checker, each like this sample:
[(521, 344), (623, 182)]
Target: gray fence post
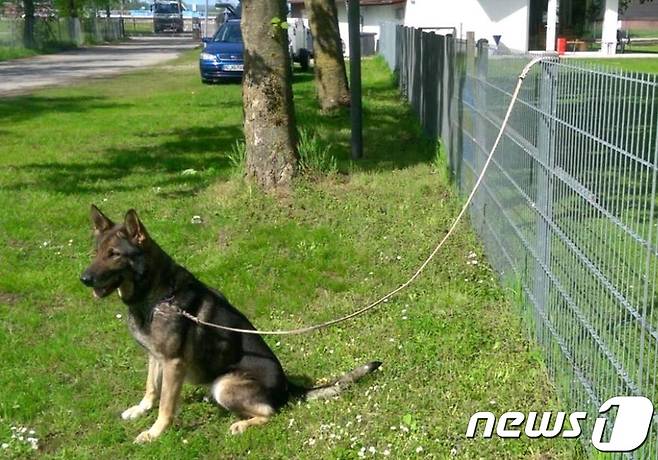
[(422, 79), (440, 84), (398, 53), (414, 80), (75, 31), (544, 177), (470, 52), (480, 129), (449, 94), (405, 70), (429, 83)]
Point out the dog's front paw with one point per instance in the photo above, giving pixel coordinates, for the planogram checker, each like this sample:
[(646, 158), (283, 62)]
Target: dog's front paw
[(137, 411), (239, 427), (144, 437), (155, 431)]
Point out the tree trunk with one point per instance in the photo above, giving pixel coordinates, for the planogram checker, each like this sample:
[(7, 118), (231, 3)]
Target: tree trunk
[(28, 30), (269, 116), (330, 75), (73, 9)]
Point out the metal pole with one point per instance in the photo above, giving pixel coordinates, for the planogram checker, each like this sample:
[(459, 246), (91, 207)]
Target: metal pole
[(180, 12), (354, 18), (551, 25)]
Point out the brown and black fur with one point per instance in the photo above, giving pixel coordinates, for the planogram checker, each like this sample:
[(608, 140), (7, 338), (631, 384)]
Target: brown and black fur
[(244, 375)]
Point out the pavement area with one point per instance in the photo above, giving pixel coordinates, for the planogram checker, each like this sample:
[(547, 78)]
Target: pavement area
[(24, 75)]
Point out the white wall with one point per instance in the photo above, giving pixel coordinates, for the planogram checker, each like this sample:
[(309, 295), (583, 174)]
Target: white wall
[(609, 32), (486, 18), (373, 16)]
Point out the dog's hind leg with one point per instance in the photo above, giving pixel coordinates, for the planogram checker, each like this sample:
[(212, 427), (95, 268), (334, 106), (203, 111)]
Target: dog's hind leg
[(242, 425), (244, 397), (153, 386)]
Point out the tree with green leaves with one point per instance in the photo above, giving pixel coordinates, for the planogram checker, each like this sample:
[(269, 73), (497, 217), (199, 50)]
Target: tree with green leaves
[(624, 4), (269, 118)]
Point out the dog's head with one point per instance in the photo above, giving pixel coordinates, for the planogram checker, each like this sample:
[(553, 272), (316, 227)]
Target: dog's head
[(120, 253)]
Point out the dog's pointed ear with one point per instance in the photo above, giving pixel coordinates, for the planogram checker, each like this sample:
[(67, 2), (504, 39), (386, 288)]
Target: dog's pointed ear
[(135, 229), (100, 221)]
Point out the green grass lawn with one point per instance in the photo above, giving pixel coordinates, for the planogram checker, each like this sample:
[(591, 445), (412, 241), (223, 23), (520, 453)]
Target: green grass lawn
[(643, 65), (451, 344), (9, 52), (642, 48), (644, 33)]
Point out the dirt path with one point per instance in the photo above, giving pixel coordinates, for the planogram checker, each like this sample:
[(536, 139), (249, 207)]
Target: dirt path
[(24, 75)]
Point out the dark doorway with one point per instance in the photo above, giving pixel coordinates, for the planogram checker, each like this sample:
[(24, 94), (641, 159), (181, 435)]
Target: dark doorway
[(537, 25)]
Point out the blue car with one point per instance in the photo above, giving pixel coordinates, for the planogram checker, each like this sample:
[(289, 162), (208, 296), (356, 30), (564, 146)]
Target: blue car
[(223, 55)]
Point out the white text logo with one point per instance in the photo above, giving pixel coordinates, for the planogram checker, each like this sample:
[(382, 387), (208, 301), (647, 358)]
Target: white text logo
[(629, 429)]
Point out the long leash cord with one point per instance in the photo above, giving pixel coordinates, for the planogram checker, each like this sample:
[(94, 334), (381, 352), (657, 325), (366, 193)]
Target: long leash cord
[(420, 269)]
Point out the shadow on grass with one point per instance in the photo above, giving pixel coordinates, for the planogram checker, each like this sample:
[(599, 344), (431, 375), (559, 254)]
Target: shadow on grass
[(391, 135), (301, 76), (22, 108), (392, 138), (162, 165)]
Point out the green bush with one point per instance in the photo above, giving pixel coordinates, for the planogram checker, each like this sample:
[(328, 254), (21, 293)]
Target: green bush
[(314, 156), (237, 157)]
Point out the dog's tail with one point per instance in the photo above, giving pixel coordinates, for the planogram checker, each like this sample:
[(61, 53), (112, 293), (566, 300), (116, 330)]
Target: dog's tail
[(334, 389)]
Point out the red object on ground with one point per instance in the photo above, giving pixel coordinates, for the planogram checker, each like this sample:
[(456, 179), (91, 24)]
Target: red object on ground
[(561, 46)]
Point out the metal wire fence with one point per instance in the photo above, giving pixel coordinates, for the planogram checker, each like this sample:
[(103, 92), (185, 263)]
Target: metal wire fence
[(567, 211), (57, 32)]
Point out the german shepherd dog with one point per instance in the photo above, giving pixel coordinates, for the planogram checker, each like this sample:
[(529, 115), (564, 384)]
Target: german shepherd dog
[(244, 375)]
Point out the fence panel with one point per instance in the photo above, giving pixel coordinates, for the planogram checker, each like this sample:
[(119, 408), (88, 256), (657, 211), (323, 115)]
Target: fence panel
[(567, 210), (56, 32), (387, 43)]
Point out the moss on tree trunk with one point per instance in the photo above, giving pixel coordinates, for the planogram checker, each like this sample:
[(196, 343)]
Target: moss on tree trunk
[(269, 120), (330, 74)]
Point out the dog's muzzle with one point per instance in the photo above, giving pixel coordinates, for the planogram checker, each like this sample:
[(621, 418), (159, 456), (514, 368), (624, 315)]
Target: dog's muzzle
[(87, 279), (101, 289)]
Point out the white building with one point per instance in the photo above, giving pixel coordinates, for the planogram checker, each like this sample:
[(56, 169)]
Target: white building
[(487, 18), (373, 13), (522, 25)]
